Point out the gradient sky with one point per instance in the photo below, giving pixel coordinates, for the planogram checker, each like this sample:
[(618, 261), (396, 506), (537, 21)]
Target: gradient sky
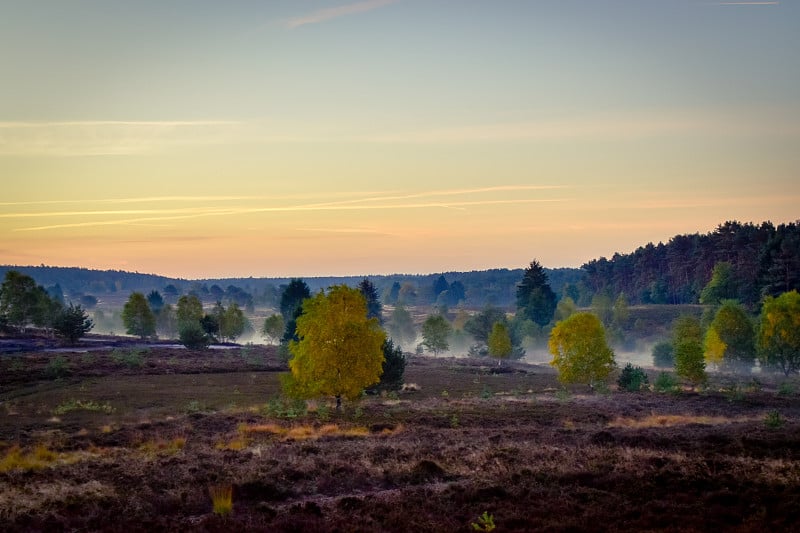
[(241, 138)]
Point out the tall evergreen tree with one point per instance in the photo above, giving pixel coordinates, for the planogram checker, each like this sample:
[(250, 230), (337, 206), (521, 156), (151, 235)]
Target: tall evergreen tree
[(535, 299), (370, 293)]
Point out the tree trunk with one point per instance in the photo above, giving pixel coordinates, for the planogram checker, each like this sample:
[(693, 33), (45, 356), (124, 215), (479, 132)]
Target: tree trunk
[(338, 403)]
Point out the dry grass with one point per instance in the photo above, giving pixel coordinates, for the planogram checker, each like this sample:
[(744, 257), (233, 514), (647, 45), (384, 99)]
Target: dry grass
[(40, 457), (221, 499), (306, 432), (163, 447), (675, 420)]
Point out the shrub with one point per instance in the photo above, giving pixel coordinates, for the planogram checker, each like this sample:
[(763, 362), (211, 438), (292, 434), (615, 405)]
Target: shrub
[(485, 522), (632, 378), (57, 367), (663, 356), (192, 335), (666, 382), (773, 420), (131, 358), (221, 499)]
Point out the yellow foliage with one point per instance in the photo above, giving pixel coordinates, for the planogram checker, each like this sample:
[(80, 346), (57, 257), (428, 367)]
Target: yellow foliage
[(340, 351), (579, 348), (714, 347), (16, 459)]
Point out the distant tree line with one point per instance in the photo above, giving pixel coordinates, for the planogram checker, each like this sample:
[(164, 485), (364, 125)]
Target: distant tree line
[(745, 262)]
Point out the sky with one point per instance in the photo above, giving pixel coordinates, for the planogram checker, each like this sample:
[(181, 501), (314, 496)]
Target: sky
[(202, 139)]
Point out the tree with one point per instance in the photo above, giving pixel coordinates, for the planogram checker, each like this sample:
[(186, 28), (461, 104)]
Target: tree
[(565, 308), (580, 351), (193, 336), (20, 302), (500, 342), (340, 350), (721, 286), (663, 356), (687, 347), (189, 309), (401, 326), (535, 299), (273, 328), (779, 334), (167, 322), (730, 339), (370, 293), (480, 325), (394, 366), (292, 306), (72, 323), (233, 322), (435, 334), (137, 316), (440, 286), (156, 301)]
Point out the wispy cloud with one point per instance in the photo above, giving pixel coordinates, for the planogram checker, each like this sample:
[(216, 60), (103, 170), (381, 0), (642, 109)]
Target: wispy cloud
[(459, 199), (107, 137), (335, 12), (747, 3)]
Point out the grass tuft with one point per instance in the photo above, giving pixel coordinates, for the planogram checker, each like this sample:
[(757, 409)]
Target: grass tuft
[(221, 499)]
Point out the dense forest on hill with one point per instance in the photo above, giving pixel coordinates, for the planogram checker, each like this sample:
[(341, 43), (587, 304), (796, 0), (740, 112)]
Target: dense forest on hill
[(749, 261)]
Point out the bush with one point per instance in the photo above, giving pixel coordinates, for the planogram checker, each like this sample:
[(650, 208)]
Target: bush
[(192, 335), (632, 378), (394, 366), (666, 382), (663, 356)]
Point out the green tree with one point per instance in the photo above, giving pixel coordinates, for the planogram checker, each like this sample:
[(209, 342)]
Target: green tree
[(734, 346), (603, 308), (72, 323), (292, 300), (137, 317), (687, 347), (394, 366), (436, 334), (535, 299), (273, 328), (20, 302), (722, 285), (370, 293), (192, 335), (401, 326), (233, 322), (565, 308), (340, 350), (189, 309), (580, 351), (156, 301), (663, 356), (500, 342), (779, 333), (620, 313), (167, 322)]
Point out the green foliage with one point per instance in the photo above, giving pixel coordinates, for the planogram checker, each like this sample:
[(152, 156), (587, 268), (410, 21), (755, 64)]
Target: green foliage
[(722, 285), (188, 310), (155, 301), (137, 316), (340, 350), (535, 299), (734, 345), (83, 405), (273, 328), (288, 408), (665, 382), (565, 308), (689, 362), (580, 351), (786, 389), (232, 323), (394, 366), (72, 323), (779, 333), (133, 358), (602, 307), (632, 378), (291, 307), (23, 303), (57, 367), (436, 331), (193, 336), (370, 293), (500, 342), (774, 420), (663, 356), (485, 523)]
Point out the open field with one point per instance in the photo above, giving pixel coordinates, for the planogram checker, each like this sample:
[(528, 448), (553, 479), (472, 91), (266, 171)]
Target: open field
[(139, 439)]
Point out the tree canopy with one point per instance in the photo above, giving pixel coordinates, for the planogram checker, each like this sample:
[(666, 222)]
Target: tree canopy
[(370, 293), (436, 334), (730, 339), (340, 350), (580, 351), (688, 351), (72, 323), (779, 334), (536, 301), (499, 344), (273, 328), (137, 317)]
